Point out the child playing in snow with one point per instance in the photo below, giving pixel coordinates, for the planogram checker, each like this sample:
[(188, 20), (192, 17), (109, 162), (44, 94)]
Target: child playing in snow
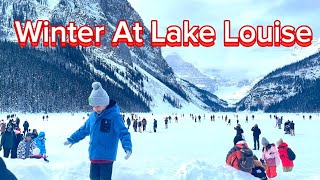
[(287, 164), (270, 156), (105, 127), (40, 141)]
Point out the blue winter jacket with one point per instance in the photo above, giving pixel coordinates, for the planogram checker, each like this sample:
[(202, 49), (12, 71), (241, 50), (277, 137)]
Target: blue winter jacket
[(41, 143), (105, 130)]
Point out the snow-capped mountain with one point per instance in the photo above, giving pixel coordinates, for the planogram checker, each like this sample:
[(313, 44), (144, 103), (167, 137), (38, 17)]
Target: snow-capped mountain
[(190, 73), (231, 85), (132, 75), (293, 88)]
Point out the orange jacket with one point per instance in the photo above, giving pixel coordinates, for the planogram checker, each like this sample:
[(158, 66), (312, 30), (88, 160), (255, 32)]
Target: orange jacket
[(234, 154)]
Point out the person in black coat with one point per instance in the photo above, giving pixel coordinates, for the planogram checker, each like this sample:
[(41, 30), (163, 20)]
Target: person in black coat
[(128, 122), (25, 127), (16, 140), (6, 173), (256, 134), (7, 140), (135, 125), (239, 130), (292, 128), (18, 122), (155, 125)]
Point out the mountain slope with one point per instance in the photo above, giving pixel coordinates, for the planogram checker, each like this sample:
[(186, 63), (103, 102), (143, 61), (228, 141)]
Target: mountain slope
[(188, 72), (134, 76), (288, 89)]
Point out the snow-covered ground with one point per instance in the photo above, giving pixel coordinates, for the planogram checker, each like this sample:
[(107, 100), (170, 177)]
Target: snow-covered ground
[(185, 151)]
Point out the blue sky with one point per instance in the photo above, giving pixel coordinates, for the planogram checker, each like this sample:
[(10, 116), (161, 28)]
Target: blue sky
[(254, 61)]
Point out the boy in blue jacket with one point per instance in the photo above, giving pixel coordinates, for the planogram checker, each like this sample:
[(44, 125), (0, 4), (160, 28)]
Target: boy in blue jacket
[(105, 127)]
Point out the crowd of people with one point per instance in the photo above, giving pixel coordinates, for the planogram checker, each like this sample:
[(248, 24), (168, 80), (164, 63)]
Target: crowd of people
[(242, 158), (21, 144)]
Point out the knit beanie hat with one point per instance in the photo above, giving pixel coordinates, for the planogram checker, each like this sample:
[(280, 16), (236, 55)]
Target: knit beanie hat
[(98, 96), (237, 138), (279, 141), (264, 141), (28, 135)]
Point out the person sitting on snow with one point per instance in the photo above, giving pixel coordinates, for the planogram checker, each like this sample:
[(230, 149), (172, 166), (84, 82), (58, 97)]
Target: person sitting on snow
[(26, 147), (242, 158)]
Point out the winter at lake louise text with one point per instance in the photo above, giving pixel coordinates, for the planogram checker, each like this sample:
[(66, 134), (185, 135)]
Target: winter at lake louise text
[(275, 35)]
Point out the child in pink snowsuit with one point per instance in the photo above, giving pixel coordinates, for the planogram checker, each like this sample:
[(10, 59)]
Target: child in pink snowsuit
[(271, 157)]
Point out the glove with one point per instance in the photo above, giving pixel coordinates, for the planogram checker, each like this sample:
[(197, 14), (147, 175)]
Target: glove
[(128, 152), (68, 143)]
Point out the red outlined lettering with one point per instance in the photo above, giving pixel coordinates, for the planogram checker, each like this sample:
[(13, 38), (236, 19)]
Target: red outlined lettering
[(207, 36), (28, 32), (227, 39), (173, 38), (265, 40), (122, 34), (304, 36), (137, 30), (71, 34), (275, 35), (287, 36), (156, 41), (190, 34), (247, 36)]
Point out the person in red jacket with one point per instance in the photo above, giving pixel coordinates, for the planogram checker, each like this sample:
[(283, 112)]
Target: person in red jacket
[(287, 164)]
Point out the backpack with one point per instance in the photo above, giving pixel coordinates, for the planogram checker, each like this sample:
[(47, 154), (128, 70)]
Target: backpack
[(291, 154), (245, 161)]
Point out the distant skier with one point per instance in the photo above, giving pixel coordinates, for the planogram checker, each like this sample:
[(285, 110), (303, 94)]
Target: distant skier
[(270, 116), (47, 117), (237, 121), (310, 117), (213, 118), (226, 118), (252, 117), (199, 118), (247, 118), (229, 122), (303, 117), (170, 119), (176, 119), (43, 117)]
